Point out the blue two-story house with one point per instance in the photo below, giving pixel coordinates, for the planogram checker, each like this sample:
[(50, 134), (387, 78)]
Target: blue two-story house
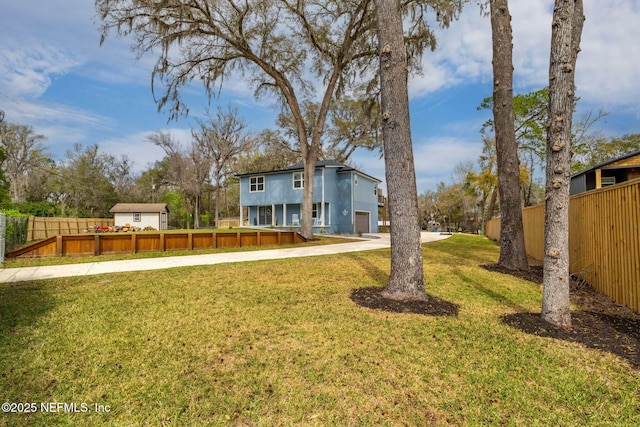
[(345, 200)]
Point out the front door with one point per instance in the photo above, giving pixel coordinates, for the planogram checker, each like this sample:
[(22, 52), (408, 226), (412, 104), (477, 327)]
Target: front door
[(264, 215)]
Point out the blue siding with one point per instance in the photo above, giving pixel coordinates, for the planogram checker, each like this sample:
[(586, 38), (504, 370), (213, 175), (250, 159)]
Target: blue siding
[(366, 199), (344, 213)]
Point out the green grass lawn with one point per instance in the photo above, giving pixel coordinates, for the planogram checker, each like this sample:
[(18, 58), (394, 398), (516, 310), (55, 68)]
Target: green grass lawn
[(281, 343)]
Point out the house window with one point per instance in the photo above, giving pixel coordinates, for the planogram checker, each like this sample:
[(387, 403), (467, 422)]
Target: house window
[(314, 210), (298, 180), (355, 180), (136, 217), (375, 189), (256, 184)]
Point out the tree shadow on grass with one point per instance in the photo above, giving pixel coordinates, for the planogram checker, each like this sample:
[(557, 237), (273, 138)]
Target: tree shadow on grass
[(22, 305), (432, 306), (600, 323)]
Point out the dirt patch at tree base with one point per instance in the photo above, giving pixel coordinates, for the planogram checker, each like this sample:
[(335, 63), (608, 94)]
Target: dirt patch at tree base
[(432, 306), (599, 323)]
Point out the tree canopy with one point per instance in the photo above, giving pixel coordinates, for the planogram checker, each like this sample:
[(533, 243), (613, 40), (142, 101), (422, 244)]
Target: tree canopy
[(295, 51)]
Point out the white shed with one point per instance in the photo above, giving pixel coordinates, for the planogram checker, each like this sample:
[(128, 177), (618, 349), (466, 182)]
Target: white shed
[(141, 215)]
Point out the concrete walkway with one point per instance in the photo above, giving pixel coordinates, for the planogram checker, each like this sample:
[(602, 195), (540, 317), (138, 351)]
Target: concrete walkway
[(371, 241)]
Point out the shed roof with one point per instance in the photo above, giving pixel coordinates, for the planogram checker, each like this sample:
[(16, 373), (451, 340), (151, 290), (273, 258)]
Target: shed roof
[(139, 207), (606, 165)]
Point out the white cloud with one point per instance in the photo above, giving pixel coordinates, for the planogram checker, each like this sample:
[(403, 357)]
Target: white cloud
[(607, 64), (463, 53), (438, 156), (29, 72), (610, 58), (139, 149), (434, 159)]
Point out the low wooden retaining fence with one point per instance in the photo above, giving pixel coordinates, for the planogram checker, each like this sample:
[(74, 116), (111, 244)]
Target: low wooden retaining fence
[(102, 244)]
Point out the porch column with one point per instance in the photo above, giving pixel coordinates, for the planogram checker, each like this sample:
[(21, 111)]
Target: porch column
[(284, 214), (321, 213), (273, 215), (322, 201)]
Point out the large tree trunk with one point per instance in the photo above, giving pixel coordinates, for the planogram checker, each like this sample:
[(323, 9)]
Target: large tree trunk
[(217, 208), (306, 226), (513, 255), (407, 275), (568, 19)]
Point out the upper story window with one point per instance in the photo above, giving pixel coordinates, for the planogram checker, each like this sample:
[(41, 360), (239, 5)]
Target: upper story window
[(355, 179), (137, 217), (256, 183), (298, 180)]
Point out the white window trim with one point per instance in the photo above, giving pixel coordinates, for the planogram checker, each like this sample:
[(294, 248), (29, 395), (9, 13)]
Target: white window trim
[(300, 180), (257, 185), (137, 217)]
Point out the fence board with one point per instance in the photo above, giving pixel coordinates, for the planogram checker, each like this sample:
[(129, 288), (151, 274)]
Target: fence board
[(227, 240), (248, 239), (604, 239), (78, 245), (147, 243), (176, 242), (203, 240)]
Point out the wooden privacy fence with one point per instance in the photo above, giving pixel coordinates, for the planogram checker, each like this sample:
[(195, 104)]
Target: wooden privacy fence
[(604, 239), (44, 227), (231, 222), (101, 244)]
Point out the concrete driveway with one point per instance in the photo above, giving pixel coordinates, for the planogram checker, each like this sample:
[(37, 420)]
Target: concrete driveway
[(368, 242)]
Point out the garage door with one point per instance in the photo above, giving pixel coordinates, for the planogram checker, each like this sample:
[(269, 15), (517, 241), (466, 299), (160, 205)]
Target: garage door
[(362, 222)]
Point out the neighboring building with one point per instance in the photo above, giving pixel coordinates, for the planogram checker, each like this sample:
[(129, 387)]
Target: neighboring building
[(141, 215), (345, 200), (615, 171)]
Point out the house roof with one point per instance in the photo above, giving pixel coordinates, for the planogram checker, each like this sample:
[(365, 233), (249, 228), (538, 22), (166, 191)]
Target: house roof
[(139, 207), (604, 165), (319, 164)]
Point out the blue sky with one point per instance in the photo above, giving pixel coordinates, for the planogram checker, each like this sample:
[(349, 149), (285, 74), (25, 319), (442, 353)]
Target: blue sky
[(56, 77)]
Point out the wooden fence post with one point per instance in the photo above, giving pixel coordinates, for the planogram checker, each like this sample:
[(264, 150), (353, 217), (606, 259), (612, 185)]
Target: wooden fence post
[(59, 245)]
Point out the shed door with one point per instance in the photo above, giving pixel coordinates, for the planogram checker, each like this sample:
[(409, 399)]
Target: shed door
[(362, 222), (163, 221)]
